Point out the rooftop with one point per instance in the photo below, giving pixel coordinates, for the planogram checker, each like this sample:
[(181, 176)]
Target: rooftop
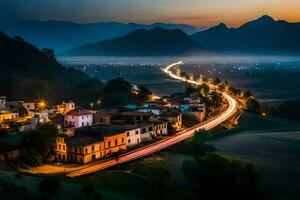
[(82, 140), (79, 112)]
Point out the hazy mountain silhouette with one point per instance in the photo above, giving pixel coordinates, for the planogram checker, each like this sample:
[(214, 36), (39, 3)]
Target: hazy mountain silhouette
[(61, 35), (155, 42), (263, 35)]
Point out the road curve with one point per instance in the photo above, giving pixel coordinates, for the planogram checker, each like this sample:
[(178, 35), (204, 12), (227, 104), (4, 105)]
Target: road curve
[(167, 142)]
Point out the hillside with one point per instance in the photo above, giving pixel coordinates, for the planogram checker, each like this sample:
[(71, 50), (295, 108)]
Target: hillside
[(155, 42), (29, 73), (62, 35), (263, 35)]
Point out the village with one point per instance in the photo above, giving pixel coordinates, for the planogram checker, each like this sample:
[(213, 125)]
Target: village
[(91, 134)]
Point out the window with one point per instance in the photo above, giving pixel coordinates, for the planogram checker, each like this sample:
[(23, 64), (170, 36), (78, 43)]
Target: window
[(59, 147), (82, 117), (129, 141), (122, 140), (144, 130), (86, 151), (82, 123), (127, 134), (93, 148), (150, 128), (109, 144), (136, 132), (64, 147), (116, 142)]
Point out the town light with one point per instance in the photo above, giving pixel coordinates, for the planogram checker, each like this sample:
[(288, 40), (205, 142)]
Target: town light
[(42, 104)]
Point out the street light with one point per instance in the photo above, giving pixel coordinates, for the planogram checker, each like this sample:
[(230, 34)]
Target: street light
[(42, 104)]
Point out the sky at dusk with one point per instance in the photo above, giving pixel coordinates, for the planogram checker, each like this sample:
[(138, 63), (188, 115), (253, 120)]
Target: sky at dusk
[(201, 13)]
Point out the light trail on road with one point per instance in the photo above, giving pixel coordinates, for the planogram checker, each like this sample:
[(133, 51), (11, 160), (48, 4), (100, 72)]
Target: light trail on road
[(167, 142)]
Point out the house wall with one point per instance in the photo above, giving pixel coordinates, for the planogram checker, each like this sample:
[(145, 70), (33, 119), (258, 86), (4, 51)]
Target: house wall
[(161, 129), (133, 137), (147, 133), (115, 143), (79, 121)]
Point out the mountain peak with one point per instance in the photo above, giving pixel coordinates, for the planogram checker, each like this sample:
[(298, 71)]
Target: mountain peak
[(219, 27), (265, 18)]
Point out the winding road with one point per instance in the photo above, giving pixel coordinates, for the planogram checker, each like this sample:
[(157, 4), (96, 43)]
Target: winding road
[(167, 142)]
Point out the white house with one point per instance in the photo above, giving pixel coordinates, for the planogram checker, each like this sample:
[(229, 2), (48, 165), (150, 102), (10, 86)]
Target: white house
[(147, 130), (133, 135), (78, 118)]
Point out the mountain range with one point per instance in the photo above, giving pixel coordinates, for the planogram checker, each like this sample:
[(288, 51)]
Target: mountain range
[(260, 36), (62, 35), (263, 35), (155, 42)]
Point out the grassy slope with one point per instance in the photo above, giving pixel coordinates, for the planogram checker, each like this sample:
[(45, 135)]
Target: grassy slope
[(273, 145)]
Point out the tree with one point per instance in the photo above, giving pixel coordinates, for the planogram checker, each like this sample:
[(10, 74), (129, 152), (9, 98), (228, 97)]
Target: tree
[(216, 176), (204, 89), (216, 81), (221, 88), (252, 105), (114, 99), (40, 144), (215, 99), (49, 53), (247, 94)]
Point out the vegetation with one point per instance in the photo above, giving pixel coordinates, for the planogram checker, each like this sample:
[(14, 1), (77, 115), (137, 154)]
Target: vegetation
[(289, 109), (216, 176), (40, 144), (31, 74)]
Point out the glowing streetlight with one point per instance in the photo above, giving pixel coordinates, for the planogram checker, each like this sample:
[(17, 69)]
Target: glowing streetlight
[(42, 104)]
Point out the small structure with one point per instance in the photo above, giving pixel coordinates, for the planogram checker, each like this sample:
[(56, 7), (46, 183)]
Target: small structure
[(2, 102), (65, 107), (28, 105), (174, 117), (78, 118)]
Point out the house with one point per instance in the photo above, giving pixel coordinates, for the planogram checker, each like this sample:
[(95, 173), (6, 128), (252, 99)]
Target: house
[(160, 128), (147, 130), (2, 102), (174, 117), (133, 117), (78, 118), (65, 107), (133, 135), (102, 117), (61, 149), (154, 110), (6, 115), (84, 149), (28, 105), (42, 115), (114, 137)]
